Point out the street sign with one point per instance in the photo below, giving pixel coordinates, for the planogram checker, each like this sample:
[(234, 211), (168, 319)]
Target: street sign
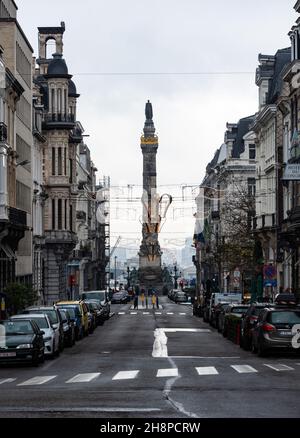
[(292, 172), (270, 276)]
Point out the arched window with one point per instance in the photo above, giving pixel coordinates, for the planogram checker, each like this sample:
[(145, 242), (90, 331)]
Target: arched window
[(50, 47)]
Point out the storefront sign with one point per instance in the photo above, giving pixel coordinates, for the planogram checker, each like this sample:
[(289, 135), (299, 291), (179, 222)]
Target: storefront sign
[(292, 172)]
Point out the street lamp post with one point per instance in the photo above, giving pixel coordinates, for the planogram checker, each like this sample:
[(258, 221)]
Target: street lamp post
[(175, 276), (128, 276), (116, 272)]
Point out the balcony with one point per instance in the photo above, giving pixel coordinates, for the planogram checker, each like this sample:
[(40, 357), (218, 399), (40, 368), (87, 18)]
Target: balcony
[(17, 217), (59, 121), (61, 237), (294, 217), (266, 221), (3, 133)]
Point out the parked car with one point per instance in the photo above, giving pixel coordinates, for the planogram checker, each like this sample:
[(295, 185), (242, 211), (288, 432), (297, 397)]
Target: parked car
[(119, 298), (98, 311), (81, 313), (51, 336), (232, 309), (215, 313), (21, 340), (223, 297), (273, 330), (180, 297), (248, 322), (68, 327), (101, 296), (55, 318)]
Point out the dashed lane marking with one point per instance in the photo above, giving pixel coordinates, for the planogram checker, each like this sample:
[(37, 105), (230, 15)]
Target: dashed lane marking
[(133, 313), (126, 375), (168, 372), (243, 369), (121, 313), (279, 367), (207, 371), (39, 380), (83, 378)]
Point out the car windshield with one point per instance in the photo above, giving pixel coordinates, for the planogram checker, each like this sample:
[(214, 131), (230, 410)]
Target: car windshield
[(289, 317), (41, 322), (13, 328), (70, 310), (52, 315), (94, 295)]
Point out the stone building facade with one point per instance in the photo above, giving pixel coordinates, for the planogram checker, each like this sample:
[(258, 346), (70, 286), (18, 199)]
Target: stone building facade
[(16, 150)]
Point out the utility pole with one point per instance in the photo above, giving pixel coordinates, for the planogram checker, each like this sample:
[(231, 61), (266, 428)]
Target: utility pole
[(175, 276)]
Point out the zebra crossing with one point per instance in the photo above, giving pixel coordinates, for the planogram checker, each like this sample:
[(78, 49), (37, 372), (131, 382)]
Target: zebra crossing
[(150, 312), (200, 371)]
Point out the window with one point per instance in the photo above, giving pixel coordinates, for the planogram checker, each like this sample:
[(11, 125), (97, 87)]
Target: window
[(53, 161), (53, 214), (23, 197), (71, 217), (23, 65), (53, 101), (66, 209), (252, 152), (65, 161), (59, 160), (251, 187), (59, 214), (71, 170)]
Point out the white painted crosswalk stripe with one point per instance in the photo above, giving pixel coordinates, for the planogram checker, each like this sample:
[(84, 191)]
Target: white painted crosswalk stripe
[(146, 313), (168, 372), (121, 313), (170, 313), (206, 371), (83, 378), (279, 367), (133, 313), (39, 380), (7, 381), (182, 313), (243, 369), (126, 375), (158, 313)]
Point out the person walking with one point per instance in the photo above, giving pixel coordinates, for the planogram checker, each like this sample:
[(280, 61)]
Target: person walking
[(157, 301), (136, 301), (153, 300), (143, 297)]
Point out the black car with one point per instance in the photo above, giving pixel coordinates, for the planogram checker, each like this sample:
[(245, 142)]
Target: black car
[(119, 298), (98, 311), (275, 330), (180, 297), (215, 313), (248, 322), (68, 327), (21, 341), (101, 296), (227, 316)]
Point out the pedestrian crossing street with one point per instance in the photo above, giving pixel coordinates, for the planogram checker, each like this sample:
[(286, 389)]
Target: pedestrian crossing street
[(161, 373)]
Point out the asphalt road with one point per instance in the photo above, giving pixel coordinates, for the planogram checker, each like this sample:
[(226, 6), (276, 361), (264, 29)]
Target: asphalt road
[(122, 372)]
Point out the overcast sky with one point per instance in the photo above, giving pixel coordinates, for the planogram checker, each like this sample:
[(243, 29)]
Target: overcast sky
[(162, 36)]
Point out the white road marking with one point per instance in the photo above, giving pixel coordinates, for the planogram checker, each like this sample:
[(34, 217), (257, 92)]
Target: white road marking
[(279, 367), (204, 357), (174, 330), (7, 381), (170, 313), (146, 313), (168, 372), (242, 369), (82, 378), (126, 375), (121, 313), (39, 380), (133, 313), (78, 409), (206, 371), (182, 313), (158, 313)]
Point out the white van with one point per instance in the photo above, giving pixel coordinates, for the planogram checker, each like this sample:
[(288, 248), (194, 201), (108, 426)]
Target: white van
[(217, 298)]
